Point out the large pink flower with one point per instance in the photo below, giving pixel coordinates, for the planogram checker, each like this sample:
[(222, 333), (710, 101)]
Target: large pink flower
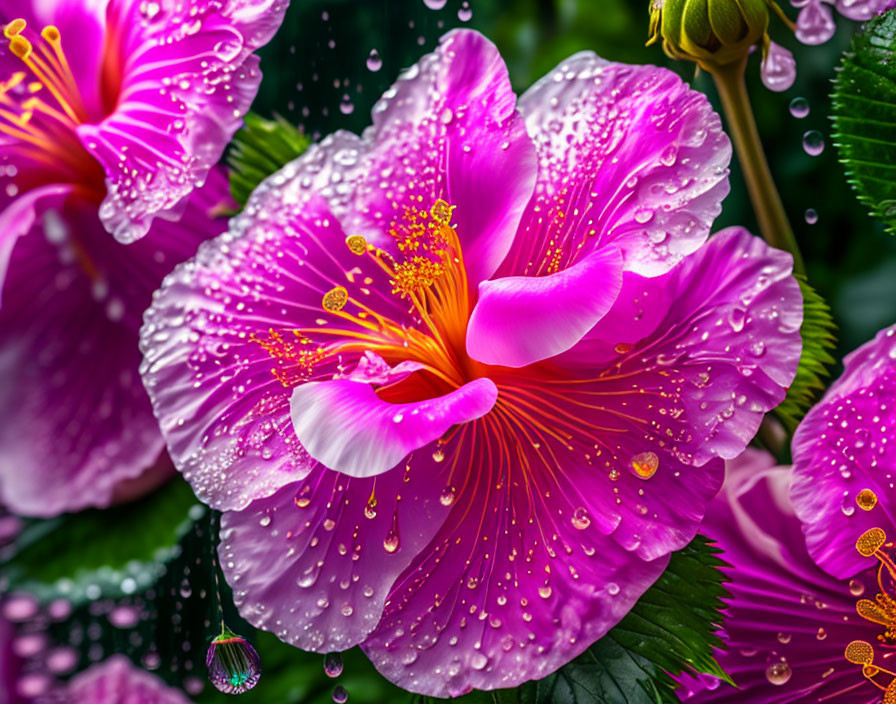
[(458, 383), (125, 104), (117, 681)]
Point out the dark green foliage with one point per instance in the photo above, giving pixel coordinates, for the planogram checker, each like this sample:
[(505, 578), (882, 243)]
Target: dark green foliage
[(259, 149), (864, 101)]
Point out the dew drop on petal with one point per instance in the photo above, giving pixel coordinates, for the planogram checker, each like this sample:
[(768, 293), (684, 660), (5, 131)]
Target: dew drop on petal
[(778, 673), (799, 108), (645, 464), (856, 588), (813, 142), (374, 62), (446, 498), (580, 519), (333, 664), (612, 588)]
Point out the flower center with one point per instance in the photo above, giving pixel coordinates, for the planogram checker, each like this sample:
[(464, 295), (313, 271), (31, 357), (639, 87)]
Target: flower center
[(41, 106), (882, 610)]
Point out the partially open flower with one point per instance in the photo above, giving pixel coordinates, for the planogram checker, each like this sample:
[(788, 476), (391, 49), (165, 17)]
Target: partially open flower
[(718, 33)]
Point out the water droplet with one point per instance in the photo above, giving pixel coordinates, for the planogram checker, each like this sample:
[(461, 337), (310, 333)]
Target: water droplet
[(233, 665), (645, 464), (778, 673), (580, 519), (465, 14), (822, 634), (811, 216), (623, 348), (813, 142), (866, 499), (374, 62), (612, 588), (391, 542), (478, 661), (340, 696), (435, 4), (438, 455), (446, 498), (856, 588), (333, 664), (799, 108), (346, 107), (544, 592), (784, 638)]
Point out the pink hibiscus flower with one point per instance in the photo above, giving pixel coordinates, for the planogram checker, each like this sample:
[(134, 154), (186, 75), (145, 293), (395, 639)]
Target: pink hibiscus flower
[(462, 384)]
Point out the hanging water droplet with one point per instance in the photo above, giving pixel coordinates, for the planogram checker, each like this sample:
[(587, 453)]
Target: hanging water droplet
[(374, 62), (233, 665), (465, 14), (645, 464), (435, 4), (340, 696), (811, 216), (799, 108), (391, 542), (333, 664), (778, 673), (813, 142), (346, 107)]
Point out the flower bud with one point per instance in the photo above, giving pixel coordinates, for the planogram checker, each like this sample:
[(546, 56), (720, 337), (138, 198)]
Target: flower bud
[(712, 33)]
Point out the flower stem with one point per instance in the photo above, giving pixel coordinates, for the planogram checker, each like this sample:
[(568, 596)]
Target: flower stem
[(773, 221)]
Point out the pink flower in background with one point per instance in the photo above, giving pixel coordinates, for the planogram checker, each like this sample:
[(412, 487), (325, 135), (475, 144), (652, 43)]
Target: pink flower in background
[(117, 681), (463, 384), (815, 22), (788, 623), (844, 451), (125, 104), (111, 112)]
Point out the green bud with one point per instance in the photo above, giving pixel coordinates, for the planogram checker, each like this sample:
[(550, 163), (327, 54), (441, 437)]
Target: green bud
[(713, 33)]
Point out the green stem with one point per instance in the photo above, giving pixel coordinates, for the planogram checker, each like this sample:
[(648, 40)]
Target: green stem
[(773, 221)]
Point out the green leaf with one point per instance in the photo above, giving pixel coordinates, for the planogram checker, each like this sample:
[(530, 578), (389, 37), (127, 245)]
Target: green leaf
[(864, 113), (818, 332), (112, 552), (671, 629), (259, 149)]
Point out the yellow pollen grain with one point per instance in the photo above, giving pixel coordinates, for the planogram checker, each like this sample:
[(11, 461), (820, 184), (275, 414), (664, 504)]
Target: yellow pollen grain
[(442, 211), (860, 653), (20, 47), (14, 28), (335, 299), (356, 244), (870, 541), (866, 499)]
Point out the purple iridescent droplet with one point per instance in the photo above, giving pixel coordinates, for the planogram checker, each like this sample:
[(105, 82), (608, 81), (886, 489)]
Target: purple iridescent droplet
[(233, 665), (778, 69), (815, 24)]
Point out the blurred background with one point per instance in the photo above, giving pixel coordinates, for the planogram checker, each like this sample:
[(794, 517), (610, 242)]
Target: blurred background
[(140, 578)]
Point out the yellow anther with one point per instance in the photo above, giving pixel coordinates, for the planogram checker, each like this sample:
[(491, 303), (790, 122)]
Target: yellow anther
[(51, 34), (356, 243), (866, 499), (14, 28), (35, 86), (860, 653), (870, 541), (335, 299), (441, 211), (20, 46)]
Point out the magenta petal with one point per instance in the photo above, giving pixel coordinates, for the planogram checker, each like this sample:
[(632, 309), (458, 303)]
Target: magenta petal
[(815, 23), (345, 426), (519, 320), (116, 681), (628, 156), (18, 217), (782, 606), (449, 129), (519, 580), (859, 10), (778, 68), (314, 562), (724, 323), (845, 445)]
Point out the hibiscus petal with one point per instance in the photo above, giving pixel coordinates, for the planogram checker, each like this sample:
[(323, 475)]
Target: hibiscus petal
[(782, 607), (515, 584), (159, 144), (222, 344), (449, 129), (519, 320), (78, 428), (314, 562), (841, 449), (629, 156)]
